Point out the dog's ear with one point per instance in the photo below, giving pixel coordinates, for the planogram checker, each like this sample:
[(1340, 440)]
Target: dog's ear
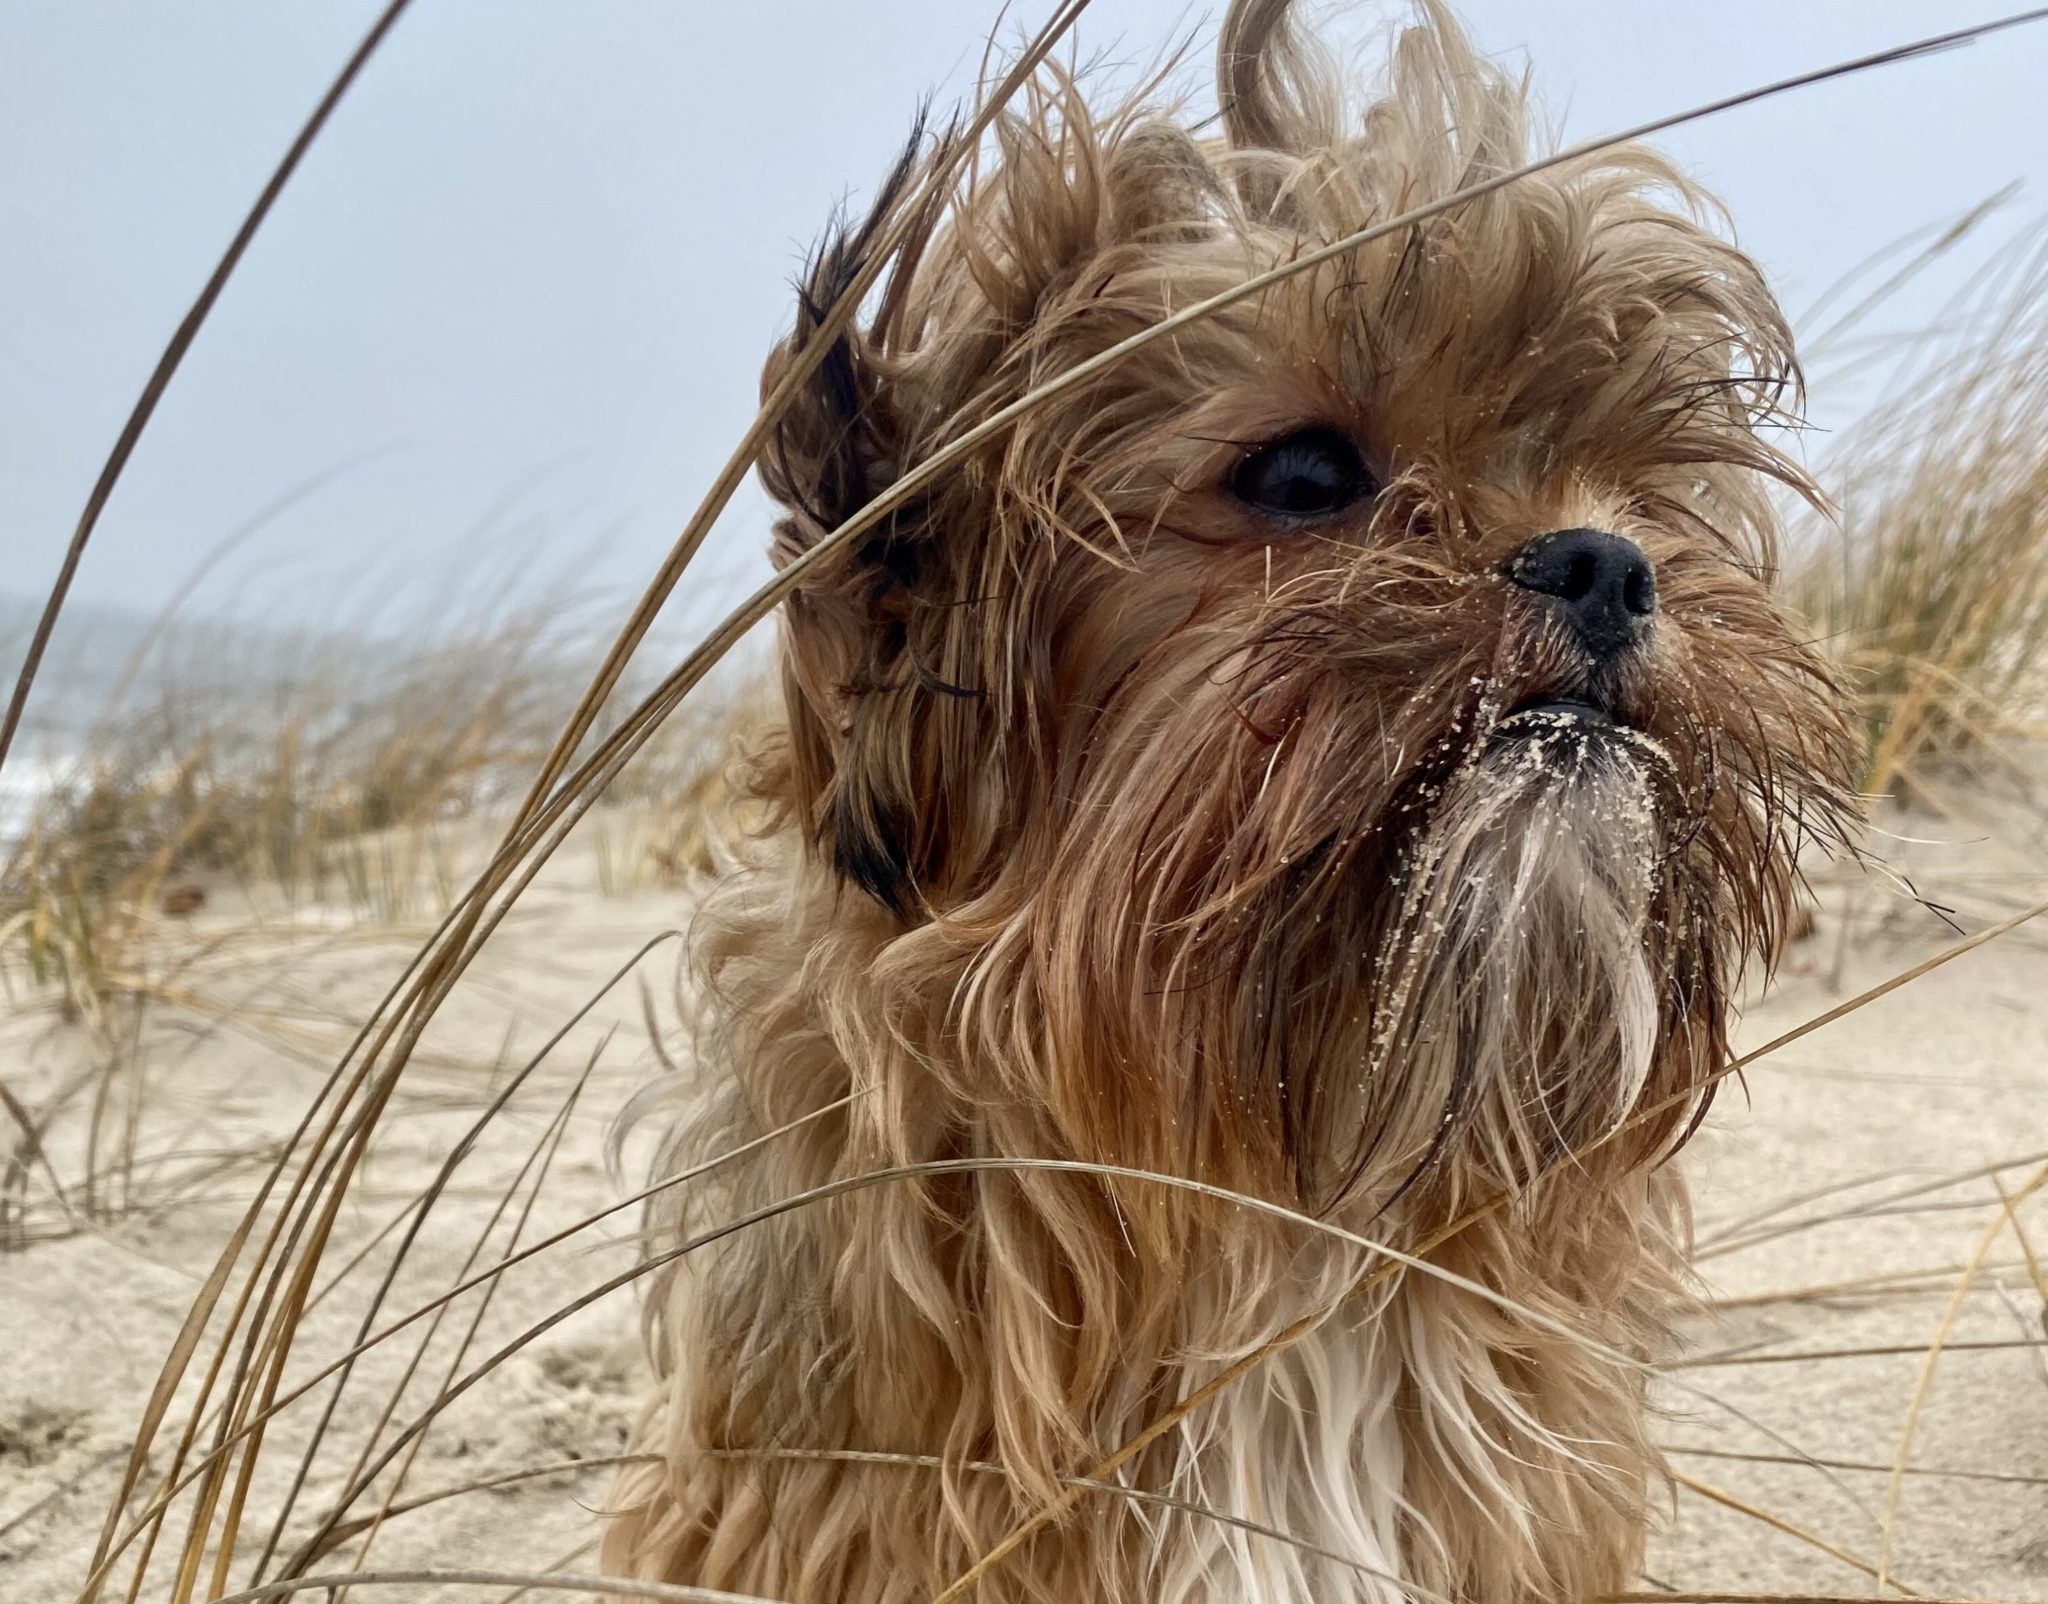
[(835, 445), (912, 694)]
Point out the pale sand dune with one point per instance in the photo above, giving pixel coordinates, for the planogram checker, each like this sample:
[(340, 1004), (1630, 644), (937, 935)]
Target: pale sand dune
[(1947, 1076)]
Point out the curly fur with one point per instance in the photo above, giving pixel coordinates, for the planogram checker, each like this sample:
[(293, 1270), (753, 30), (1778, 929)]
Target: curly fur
[(1112, 821)]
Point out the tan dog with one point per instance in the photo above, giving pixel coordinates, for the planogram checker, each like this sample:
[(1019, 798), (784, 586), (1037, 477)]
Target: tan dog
[(1342, 754)]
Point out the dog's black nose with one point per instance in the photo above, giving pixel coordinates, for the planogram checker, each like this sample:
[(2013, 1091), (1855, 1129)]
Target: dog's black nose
[(1603, 585)]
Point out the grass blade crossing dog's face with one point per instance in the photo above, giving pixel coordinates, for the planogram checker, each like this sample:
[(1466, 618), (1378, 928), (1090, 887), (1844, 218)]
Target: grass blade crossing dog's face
[(1373, 689)]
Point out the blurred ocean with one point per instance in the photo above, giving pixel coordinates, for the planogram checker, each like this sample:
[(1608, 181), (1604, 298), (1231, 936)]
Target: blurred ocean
[(92, 679)]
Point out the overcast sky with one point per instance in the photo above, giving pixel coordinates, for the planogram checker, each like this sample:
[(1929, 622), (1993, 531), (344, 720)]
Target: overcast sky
[(520, 291)]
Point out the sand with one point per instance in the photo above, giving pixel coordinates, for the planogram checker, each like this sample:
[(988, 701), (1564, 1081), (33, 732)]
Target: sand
[(1859, 1153)]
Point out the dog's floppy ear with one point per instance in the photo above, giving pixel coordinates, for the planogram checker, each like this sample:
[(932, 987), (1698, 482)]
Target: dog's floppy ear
[(837, 444), (912, 708)]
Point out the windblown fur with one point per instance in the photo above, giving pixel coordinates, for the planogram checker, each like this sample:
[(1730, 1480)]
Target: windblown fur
[(1113, 820)]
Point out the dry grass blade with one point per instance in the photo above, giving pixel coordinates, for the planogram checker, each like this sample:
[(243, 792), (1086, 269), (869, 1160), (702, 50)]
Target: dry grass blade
[(1132, 1494), (175, 1483), (1778, 1523), (580, 1551), (2034, 1273), (1875, 1351), (511, 1478), (424, 1205), (1882, 1201), (1886, 987), (1395, 1259), (1891, 1284), (1771, 1211), (232, 1429), (1678, 1596), (182, 1349), (1896, 1487), (576, 1467), (28, 1150), (546, 1581), (538, 1161), (279, 1339), (167, 366), (835, 320), (1871, 1467)]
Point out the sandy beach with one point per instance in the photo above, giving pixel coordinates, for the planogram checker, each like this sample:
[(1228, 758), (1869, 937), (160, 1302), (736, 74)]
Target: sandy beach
[(1841, 1194)]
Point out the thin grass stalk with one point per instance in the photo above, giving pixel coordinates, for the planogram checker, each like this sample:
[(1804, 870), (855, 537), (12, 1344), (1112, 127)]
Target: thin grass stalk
[(548, 1581), (1134, 1495), (419, 1208), (1728, 1500), (2035, 1273), (1887, 1284), (543, 1155), (568, 1559), (1680, 1596), (1894, 1350), (167, 366), (1395, 1260), (2010, 1478), (511, 1478), (1981, 1172), (838, 317), (425, 1206), (1895, 1487), (173, 1484), (282, 1331)]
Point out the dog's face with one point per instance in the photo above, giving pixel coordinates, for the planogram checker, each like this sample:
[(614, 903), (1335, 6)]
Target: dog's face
[(1357, 722)]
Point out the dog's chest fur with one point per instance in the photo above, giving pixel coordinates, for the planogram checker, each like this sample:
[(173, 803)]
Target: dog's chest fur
[(865, 1395)]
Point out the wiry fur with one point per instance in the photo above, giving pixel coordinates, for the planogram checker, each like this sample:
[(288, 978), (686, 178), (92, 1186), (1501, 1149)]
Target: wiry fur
[(1114, 822)]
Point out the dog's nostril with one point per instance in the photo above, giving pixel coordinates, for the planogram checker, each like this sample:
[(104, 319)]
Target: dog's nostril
[(1602, 584)]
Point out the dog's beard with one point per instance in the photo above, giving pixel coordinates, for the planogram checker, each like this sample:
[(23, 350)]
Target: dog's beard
[(1518, 978)]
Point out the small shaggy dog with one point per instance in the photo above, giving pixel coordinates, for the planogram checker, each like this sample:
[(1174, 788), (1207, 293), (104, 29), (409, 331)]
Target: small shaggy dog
[(1343, 755)]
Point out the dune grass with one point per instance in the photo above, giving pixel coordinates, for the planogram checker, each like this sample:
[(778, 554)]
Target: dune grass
[(1930, 588), (205, 843)]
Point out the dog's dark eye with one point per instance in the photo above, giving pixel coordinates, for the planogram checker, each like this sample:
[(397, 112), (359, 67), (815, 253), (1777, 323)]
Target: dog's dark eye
[(1302, 476)]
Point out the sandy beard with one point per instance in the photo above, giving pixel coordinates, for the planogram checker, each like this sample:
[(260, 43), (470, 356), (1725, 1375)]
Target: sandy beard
[(1519, 978)]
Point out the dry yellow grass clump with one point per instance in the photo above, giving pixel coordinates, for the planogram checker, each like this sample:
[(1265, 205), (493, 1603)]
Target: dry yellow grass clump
[(200, 847), (1931, 587)]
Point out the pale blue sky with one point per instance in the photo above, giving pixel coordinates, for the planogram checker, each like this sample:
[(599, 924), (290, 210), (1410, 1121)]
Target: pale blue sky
[(537, 259)]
